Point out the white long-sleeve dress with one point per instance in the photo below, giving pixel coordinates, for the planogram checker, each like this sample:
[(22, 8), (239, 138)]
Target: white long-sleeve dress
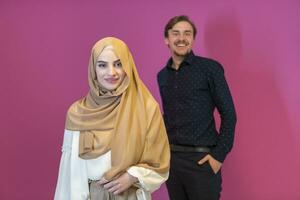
[(74, 173)]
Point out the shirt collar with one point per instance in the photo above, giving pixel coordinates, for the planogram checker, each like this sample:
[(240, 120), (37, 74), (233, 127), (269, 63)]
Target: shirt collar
[(188, 59)]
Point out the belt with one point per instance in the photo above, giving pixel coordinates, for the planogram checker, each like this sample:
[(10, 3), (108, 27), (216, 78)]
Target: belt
[(180, 148)]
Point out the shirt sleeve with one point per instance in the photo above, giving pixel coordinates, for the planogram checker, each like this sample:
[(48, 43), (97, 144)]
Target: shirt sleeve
[(149, 180), (223, 100), (72, 178)]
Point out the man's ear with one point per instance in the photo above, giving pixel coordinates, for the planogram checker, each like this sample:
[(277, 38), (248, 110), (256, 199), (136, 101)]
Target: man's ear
[(166, 41)]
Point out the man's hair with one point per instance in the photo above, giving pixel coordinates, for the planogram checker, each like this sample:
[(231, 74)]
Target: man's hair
[(181, 18)]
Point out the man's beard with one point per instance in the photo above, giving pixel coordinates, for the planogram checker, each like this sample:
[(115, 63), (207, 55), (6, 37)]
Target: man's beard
[(182, 54)]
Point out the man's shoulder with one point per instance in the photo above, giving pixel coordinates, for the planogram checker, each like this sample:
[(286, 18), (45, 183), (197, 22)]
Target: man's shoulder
[(207, 63), (162, 72), (205, 60)]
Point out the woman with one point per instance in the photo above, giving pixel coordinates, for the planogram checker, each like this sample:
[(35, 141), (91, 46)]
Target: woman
[(115, 144)]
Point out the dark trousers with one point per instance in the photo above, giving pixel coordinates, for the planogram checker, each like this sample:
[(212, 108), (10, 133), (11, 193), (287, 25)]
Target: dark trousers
[(190, 181)]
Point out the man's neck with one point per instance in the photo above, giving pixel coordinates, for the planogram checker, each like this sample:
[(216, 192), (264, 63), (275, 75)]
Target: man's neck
[(177, 60)]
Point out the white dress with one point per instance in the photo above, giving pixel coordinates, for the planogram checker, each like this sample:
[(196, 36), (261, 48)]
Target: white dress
[(74, 173)]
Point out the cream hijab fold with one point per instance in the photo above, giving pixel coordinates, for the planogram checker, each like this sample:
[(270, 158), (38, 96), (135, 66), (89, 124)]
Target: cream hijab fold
[(126, 121)]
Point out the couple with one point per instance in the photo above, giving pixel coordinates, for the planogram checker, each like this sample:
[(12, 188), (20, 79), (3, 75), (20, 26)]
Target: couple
[(115, 143)]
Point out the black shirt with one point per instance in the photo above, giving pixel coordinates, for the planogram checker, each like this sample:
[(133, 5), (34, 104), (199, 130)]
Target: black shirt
[(190, 96)]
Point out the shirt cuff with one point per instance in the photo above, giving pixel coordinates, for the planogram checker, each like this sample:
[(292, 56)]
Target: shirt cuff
[(149, 180)]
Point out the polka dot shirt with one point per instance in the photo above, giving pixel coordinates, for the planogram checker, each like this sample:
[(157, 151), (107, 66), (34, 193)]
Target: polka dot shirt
[(189, 96)]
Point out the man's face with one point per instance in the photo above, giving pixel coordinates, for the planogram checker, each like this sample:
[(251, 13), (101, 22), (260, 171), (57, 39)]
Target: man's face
[(180, 39)]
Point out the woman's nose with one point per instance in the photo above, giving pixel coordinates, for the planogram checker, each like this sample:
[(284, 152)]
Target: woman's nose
[(111, 70)]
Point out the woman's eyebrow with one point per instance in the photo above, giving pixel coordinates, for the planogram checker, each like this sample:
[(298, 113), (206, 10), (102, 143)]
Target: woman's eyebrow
[(117, 61)]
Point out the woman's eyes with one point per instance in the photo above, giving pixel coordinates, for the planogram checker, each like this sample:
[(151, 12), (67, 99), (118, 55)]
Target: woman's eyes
[(118, 64), (102, 65)]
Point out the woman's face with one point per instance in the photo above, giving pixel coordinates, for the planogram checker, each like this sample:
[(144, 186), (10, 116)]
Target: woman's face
[(109, 70)]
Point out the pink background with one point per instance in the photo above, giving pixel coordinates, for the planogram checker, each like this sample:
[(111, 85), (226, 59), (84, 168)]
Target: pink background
[(44, 52)]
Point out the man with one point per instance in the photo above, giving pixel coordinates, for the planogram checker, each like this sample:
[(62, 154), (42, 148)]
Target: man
[(191, 87)]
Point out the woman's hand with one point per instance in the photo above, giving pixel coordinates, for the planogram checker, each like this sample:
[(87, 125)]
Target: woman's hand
[(118, 185)]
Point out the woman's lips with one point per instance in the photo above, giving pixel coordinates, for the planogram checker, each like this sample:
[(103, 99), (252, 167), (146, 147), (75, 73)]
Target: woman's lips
[(112, 80)]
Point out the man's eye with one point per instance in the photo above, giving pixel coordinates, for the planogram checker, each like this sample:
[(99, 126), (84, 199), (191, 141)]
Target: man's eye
[(188, 34)]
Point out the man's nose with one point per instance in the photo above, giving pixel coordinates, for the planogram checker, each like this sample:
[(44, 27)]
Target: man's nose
[(182, 37)]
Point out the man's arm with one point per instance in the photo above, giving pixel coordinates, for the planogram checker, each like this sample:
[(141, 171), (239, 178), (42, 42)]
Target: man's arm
[(224, 103)]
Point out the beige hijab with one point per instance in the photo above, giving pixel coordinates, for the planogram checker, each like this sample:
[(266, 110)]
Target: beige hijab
[(126, 121)]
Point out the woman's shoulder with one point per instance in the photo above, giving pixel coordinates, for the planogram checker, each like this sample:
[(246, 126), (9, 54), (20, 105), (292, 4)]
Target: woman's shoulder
[(75, 104), (152, 106), (150, 101)]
